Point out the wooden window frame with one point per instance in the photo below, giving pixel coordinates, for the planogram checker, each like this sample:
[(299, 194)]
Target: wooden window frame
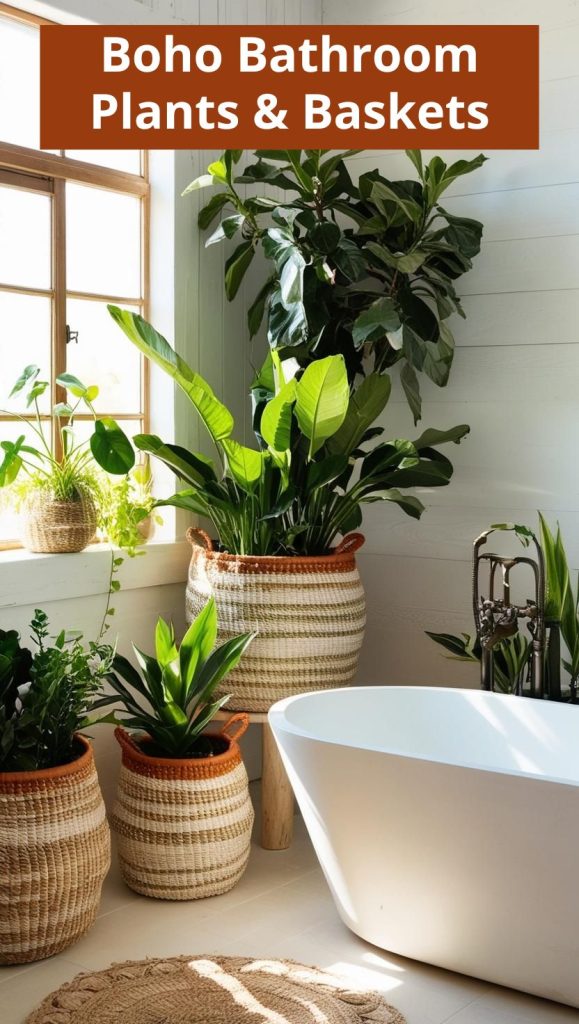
[(48, 173)]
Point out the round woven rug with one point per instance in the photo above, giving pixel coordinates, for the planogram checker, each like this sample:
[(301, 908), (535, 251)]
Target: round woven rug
[(212, 990)]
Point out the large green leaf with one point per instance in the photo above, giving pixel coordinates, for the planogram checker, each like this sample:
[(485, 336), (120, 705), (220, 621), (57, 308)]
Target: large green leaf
[(432, 437), (236, 266), (216, 417), (29, 373), (407, 502), (197, 644), (111, 447), (322, 397), (189, 466), (375, 321), (245, 464), (11, 463), (276, 419), (365, 405)]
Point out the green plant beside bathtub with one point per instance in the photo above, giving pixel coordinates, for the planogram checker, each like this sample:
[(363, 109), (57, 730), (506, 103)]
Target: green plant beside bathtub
[(367, 270), (512, 656), (170, 697), (321, 463)]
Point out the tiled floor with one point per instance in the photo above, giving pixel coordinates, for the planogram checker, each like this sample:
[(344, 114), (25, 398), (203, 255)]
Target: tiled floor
[(281, 908)]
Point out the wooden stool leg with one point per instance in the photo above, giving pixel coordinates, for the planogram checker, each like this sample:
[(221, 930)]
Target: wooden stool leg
[(277, 811)]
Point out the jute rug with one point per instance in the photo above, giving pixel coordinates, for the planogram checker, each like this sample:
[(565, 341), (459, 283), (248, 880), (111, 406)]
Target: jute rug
[(212, 990)]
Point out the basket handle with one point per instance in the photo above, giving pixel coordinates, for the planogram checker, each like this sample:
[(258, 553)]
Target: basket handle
[(350, 543), (241, 720), (198, 538), (125, 740)]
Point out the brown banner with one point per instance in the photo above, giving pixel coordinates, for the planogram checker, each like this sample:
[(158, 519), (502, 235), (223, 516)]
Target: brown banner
[(284, 87)]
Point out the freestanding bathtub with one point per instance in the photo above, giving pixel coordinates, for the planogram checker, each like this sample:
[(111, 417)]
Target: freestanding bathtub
[(447, 825)]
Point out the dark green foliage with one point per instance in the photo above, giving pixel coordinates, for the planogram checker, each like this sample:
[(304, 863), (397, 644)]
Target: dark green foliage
[(46, 695), (367, 270)]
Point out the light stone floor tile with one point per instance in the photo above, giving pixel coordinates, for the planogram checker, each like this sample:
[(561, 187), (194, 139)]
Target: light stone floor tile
[(281, 908)]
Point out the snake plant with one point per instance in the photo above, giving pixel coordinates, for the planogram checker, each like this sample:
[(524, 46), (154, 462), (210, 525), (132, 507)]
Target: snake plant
[(171, 697)]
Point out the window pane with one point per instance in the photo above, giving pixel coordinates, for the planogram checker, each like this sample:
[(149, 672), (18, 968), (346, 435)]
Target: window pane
[(25, 254), (19, 83), (25, 325), (104, 356), (103, 232), (119, 159)]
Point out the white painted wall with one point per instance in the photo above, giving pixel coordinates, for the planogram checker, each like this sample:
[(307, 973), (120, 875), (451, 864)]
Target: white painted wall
[(516, 373)]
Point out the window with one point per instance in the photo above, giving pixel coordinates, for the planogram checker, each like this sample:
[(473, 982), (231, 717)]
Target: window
[(73, 236)]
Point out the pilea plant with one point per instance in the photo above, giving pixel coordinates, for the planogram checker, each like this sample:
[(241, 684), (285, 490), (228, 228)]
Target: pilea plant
[(364, 269)]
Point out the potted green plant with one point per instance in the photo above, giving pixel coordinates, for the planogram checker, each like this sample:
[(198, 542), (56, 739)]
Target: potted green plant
[(54, 835), (127, 515), (512, 655), (367, 269), (57, 498), (278, 513), (176, 774)]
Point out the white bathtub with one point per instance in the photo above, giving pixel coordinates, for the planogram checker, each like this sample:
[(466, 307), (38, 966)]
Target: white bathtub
[(447, 825)]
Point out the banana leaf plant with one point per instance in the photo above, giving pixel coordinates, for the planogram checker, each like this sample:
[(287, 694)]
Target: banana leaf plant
[(319, 466), (171, 697), (66, 474), (365, 269)]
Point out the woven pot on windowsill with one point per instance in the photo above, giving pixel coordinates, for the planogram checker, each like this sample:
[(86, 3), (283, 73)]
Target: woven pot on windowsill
[(51, 526), (309, 614), (54, 855), (183, 824)]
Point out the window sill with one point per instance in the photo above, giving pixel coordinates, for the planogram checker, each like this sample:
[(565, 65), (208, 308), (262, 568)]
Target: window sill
[(27, 578)]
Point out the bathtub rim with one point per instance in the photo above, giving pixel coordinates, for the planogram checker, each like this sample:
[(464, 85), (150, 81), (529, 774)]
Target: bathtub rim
[(277, 719)]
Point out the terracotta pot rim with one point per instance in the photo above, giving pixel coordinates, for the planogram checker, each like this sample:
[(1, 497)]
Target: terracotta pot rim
[(336, 557), (132, 750), (58, 771)]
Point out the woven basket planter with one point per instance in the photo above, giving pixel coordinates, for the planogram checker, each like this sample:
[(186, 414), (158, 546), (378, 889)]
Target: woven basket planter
[(309, 614), (183, 825), (53, 527), (54, 855)]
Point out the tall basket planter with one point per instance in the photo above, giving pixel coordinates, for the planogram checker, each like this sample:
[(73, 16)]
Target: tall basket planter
[(183, 825), (54, 855), (309, 614)]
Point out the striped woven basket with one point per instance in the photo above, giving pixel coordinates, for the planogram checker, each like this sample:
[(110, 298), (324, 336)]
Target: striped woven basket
[(53, 527), (309, 614), (54, 855), (183, 826)]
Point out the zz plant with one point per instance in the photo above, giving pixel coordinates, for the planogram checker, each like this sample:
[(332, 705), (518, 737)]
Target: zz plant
[(319, 464), (171, 698), (364, 269)]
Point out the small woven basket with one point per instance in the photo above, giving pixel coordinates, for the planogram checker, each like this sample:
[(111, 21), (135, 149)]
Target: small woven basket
[(54, 855), (309, 614), (52, 527), (183, 825)]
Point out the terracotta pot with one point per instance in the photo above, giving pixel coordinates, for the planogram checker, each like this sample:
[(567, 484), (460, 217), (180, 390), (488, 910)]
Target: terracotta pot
[(54, 854)]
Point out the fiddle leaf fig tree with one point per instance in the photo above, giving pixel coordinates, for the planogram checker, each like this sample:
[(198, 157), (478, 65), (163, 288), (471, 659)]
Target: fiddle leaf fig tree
[(366, 270)]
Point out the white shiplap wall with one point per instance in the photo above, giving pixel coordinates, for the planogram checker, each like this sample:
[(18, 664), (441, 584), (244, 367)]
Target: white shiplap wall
[(515, 378)]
